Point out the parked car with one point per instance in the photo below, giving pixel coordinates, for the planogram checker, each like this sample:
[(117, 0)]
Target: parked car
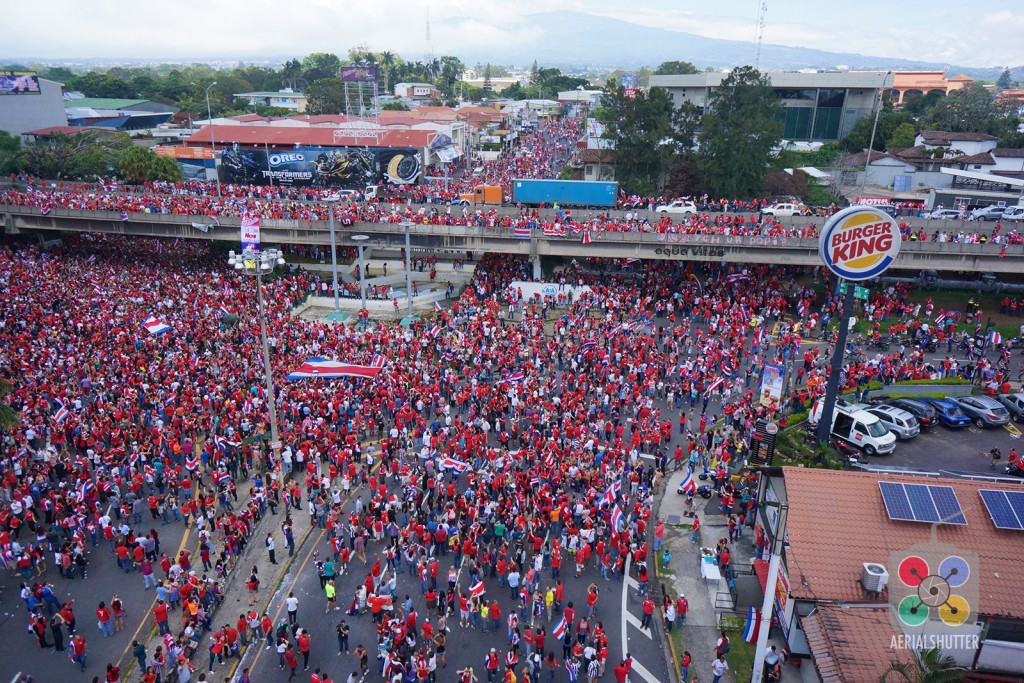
[(943, 215), (984, 411), (896, 420), (857, 427), (988, 213), (678, 207), (784, 209), (1013, 213), (1014, 404), (924, 413), (947, 412)]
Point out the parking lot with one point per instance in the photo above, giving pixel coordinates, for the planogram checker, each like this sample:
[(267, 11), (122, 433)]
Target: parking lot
[(954, 450)]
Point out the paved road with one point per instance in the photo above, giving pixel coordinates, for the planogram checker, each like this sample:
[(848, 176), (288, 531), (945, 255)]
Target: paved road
[(20, 651), (618, 610)]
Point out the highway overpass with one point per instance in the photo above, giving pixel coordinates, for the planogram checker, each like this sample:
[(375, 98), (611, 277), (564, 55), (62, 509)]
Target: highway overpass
[(937, 256)]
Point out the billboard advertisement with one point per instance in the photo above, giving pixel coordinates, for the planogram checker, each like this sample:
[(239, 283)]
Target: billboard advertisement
[(342, 167), (771, 385), (19, 83), (358, 74)]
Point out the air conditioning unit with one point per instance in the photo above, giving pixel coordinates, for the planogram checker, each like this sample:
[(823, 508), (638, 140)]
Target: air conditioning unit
[(874, 577)]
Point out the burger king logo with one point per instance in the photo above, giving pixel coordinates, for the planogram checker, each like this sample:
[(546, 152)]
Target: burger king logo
[(859, 243)]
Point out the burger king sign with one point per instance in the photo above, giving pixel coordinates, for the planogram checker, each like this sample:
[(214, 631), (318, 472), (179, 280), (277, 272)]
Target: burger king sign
[(859, 243)]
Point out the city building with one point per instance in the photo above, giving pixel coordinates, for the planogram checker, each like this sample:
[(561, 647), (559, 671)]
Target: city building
[(417, 91), (817, 107), (843, 586), (921, 83), (118, 113), (284, 99), (952, 169), (24, 109)]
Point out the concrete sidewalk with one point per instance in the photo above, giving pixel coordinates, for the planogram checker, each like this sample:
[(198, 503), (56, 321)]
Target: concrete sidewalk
[(708, 600)]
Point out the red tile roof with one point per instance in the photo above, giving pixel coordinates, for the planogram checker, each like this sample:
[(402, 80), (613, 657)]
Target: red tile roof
[(943, 137), (852, 644), (289, 136), (837, 522)]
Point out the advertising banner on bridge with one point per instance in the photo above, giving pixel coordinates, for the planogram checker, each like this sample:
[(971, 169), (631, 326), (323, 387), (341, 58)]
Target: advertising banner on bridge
[(342, 167), (250, 232)]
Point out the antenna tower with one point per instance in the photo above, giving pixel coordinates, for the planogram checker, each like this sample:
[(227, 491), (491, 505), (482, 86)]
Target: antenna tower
[(429, 55), (762, 10)]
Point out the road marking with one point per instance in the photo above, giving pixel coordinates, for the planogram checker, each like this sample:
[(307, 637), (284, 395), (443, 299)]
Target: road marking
[(633, 583), (1012, 428), (298, 574), (145, 615), (630, 619), (641, 671)]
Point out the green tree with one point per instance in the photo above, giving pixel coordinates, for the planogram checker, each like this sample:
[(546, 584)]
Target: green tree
[(902, 136), (135, 164), (450, 74), (95, 84), (638, 126), (167, 169), (676, 68), (971, 109), (10, 153), (930, 666), (83, 155), (291, 74), (1005, 81), (740, 128), (319, 65), (395, 106), (487, 79), (534, 73), (325, 96), (888, 121)]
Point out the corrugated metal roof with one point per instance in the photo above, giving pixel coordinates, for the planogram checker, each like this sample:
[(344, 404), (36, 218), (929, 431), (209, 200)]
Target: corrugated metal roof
[(103, 103)]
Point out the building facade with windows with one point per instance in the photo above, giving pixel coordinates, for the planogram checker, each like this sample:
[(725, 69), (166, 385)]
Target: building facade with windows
[(817, 107)]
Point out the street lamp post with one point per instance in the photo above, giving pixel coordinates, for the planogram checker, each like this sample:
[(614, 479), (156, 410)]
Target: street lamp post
[(213, 146), (359, 239), (334, 256), (256, 263), (408, 268)]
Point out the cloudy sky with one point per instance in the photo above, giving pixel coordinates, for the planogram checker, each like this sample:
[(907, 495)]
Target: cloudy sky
[(985, 33)]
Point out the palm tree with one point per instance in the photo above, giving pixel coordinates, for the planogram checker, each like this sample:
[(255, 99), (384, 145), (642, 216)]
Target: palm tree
[(388, 61), (929, 666)]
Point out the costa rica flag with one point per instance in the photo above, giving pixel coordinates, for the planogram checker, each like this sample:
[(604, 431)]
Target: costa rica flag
[(616, 518), (61, 414), (559, 629), (689, 486), (752, 626), (477, 589)]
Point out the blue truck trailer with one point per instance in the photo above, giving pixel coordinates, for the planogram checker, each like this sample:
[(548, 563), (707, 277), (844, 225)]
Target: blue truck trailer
[(568, 193)]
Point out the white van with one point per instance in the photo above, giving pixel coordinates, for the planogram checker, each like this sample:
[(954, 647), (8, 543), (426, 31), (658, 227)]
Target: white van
[(858, 428), (1014, 213)]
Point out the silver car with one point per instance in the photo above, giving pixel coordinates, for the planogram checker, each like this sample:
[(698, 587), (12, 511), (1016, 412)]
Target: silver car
[(899, 422), (984, 411)]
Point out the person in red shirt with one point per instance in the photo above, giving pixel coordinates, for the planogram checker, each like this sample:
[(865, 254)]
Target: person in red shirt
[(304, 646), (103, 616), (291, 661)]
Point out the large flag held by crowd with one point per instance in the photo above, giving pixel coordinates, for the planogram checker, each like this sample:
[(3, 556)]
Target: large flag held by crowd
[(154, 326), (332, 369)]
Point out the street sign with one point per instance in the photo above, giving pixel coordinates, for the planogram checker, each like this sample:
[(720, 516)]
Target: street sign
[(858, 292)]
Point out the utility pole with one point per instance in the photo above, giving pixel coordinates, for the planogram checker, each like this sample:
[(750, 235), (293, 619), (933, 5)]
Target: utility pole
[(768, 605)]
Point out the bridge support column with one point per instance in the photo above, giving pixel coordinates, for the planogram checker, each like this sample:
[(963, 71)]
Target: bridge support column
[(536, 268)]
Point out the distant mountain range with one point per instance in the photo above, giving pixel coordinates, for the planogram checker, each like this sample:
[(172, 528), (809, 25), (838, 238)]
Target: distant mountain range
[(579, 40)]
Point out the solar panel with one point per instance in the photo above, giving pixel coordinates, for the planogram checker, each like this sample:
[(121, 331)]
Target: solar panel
[(947, 505), (922, 503), (895, 499), (1006, 508)]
